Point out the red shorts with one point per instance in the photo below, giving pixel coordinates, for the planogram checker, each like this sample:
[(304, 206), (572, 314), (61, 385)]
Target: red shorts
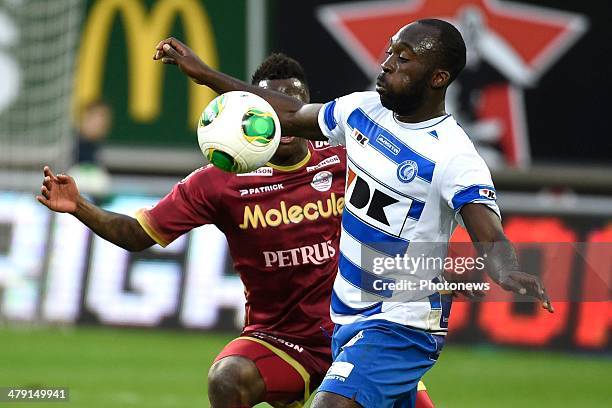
[(291, 372)]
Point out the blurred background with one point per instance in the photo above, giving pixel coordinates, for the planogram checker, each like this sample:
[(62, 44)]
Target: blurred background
[(81, 93)]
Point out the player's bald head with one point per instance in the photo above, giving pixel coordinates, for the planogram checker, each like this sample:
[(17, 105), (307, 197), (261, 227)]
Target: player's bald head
[(438, 41)]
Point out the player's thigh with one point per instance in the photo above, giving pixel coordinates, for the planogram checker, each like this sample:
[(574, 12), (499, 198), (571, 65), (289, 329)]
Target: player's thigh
[(379, 363)]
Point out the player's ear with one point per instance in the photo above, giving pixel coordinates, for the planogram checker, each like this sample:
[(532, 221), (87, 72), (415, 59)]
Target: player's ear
[(440, 78)]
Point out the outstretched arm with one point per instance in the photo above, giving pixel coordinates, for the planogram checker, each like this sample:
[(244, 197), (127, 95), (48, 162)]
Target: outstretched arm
[(501, 262), (60, 193), (297, 118)]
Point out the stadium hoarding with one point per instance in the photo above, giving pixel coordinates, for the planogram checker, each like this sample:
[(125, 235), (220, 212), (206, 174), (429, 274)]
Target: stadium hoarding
[(53, 270), (155, 106)]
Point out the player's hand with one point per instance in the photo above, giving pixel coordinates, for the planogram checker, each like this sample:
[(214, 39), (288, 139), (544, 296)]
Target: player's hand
[(526, 284), (58, 192), (172, 51), (469, 293), (463, 277)]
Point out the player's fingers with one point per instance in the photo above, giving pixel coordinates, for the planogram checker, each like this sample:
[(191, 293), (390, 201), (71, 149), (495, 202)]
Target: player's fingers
[(531, 284), (177, 45), (477, 293), (42, 200), (168, 60), (63, 178), (45, 192), (514, 286), (47, 172), (546, 303), (47, 182), (160, 45), (171, 52)]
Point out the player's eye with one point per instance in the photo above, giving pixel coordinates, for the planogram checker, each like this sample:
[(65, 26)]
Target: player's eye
[(403, 59)]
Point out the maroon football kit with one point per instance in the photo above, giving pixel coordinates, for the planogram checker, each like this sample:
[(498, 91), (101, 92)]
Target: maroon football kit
[(282, 226)]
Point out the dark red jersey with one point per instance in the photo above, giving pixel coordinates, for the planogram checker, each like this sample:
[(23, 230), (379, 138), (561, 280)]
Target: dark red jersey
[(282, 225)]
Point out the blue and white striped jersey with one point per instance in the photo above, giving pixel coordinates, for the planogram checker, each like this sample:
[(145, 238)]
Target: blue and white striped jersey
[(406, 183)]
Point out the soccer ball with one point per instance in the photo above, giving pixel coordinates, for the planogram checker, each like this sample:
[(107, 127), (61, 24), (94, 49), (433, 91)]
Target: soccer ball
[(238, 132)]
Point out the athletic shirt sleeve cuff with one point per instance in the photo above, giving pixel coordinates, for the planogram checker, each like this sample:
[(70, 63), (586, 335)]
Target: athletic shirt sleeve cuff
[(328, 122)]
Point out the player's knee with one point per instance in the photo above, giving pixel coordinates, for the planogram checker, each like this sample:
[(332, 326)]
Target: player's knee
[(234, 381)]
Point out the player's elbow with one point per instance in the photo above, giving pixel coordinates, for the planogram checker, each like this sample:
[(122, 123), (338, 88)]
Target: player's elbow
[(137, 239), (136, 246)]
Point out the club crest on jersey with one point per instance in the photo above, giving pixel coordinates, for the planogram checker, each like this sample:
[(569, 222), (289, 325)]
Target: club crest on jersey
[(407, 171), (487, 193), (322, 181), (359, 137)]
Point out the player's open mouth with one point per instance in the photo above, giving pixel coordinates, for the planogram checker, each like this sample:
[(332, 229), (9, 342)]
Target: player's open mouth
[(286, 139)]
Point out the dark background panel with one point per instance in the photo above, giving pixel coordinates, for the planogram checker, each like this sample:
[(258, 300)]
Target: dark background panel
[(568, 113)]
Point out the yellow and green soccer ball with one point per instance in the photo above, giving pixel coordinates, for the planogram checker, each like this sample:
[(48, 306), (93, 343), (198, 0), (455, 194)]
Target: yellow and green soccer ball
[(238, 132)]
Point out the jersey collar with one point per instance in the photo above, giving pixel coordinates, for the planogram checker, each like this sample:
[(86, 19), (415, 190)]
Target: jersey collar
[(293, 167), (422, 125)]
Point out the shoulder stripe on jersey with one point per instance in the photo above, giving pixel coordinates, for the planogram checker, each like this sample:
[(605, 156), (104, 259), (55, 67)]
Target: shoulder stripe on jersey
[(372, 236), (328, 115), (339, 307), (363, 279), (473, 193), (390, 146)]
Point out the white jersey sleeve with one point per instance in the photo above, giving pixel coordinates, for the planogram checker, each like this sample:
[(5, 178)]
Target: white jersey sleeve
[(333, 117), (466, 180)]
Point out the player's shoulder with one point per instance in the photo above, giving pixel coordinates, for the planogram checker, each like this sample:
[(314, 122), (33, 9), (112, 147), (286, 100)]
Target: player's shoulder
[(450, 133), (364, 100), (324, 148), (205, 175), (325, 154), (459, 150)]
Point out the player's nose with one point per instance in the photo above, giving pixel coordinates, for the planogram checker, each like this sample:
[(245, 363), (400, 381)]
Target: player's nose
[(386, 64)]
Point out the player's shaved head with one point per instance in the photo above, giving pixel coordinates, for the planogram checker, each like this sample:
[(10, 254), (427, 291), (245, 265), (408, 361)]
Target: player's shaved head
[(438, 41)]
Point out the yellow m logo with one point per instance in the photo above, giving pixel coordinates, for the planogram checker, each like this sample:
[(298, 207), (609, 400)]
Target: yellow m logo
[(143, 32)]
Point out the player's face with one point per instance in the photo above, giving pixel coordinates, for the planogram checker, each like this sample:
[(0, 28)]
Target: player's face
[(403, 83), (289, 145)]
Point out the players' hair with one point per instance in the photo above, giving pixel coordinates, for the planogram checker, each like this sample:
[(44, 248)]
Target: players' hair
[(279, 66), (451, 54)]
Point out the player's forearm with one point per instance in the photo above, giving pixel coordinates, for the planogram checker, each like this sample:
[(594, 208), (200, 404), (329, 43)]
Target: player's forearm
[(119, 229), (488, 236)]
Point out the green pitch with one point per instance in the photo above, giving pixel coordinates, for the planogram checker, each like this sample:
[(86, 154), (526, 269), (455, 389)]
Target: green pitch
[(144, 368)]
